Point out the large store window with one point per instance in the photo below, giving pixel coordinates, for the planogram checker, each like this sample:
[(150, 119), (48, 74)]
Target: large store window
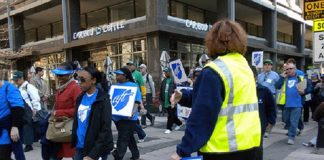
[(122, 11), (98, 17), (57, 28), (188, 53), (44, 32), (195, 14), (178, 10), (30, 35), (140, 7), (120, 53)]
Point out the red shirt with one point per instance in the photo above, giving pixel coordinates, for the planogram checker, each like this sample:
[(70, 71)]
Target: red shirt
[(65, 104)]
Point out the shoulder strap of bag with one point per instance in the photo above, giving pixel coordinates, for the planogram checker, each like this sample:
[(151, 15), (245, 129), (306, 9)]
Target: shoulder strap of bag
[(30, 99), (148, 81)]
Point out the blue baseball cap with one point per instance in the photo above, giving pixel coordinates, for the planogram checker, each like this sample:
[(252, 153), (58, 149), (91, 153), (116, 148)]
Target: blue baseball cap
[(17, 75), (61, 71), (166, 69), (119, 72)]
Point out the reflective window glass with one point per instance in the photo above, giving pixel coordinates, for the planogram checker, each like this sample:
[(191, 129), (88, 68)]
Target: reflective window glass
[(122, 11)]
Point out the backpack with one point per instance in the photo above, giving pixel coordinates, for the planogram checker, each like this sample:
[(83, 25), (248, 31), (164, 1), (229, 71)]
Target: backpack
[(28, 113)]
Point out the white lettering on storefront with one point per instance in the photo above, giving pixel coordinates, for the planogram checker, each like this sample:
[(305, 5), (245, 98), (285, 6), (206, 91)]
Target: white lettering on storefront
[(112, 27), (196, 25)]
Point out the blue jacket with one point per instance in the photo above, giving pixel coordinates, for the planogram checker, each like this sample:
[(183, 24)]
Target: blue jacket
[(202, 120), (11, 105), (267, 107)]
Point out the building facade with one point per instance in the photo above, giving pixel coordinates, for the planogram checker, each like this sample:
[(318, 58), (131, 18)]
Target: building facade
[(139, 30)]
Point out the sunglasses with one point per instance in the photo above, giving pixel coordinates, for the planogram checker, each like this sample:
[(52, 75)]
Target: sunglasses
[(82, 79), (289, 69)]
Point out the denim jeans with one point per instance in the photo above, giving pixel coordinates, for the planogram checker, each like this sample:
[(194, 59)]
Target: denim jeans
[(79, 154), (139, 130), (292, 115)]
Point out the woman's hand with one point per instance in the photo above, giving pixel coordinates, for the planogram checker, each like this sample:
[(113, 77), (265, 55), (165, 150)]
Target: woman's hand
[(175, 98), (14, 134), (175, 156)]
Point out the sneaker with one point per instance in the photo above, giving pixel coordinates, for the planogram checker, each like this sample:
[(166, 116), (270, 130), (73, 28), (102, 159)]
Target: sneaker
[(144, 126), (28, 148), (142, 140), (291, 141), (299, 132), (178, 127), (167, 131), (266, 135), (153, 120)]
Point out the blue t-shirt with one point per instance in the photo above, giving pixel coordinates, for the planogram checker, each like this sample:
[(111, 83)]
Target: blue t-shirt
[(138, 98), (293, 98), (269, 80), (83, 117), (14, 98)]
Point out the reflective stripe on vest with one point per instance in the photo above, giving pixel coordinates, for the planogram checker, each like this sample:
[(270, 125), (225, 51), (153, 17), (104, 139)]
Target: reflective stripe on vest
[(235, 113)]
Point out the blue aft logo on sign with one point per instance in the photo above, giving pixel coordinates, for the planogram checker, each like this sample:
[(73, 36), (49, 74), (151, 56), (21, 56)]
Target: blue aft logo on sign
[(177, 70), (257, 59), (120, 98)]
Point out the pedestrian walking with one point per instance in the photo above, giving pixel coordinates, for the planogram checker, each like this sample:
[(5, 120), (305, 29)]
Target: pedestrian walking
[(11, 119), (150, 95), (91, 133), (291, 97), (30, 96), (38, 81), (224, 123), (167, 88), (268, 78), (126, 125), (65, 104), (319, 117)]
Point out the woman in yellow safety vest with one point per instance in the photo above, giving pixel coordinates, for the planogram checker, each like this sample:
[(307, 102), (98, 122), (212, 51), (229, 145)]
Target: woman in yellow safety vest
[(224, 123)]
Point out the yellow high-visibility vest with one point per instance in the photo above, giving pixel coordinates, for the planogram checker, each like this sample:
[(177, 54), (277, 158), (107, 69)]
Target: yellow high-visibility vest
[(238, 124)]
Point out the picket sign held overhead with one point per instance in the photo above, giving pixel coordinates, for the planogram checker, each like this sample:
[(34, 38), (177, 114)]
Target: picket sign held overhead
[(178, 71), (122, 100), (257, 59)]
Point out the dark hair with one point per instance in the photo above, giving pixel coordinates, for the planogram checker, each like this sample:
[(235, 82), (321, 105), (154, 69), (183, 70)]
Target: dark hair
[(224, 37), (93, 72), (128, 74), (254, 70), (67, 66), (38, 69)]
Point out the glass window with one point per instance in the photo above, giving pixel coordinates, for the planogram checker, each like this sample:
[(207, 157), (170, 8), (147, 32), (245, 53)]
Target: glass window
[(211, 17), (196, 14), (288, 38), (140, 7), (97, 18), (44, 32), (125, 48), (252, 29), (4, 40), (83, 21), (30, 35), (58, 28), (280, 37), (139, 45), (122, 11), (178, 10), (112, 49)]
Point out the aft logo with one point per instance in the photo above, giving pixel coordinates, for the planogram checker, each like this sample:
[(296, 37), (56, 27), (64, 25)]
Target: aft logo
[(120, 98)]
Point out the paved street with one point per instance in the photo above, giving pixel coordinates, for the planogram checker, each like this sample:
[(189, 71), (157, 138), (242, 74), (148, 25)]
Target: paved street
[(159, 146)]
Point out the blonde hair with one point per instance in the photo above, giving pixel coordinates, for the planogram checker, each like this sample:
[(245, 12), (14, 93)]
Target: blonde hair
[(224, 37)]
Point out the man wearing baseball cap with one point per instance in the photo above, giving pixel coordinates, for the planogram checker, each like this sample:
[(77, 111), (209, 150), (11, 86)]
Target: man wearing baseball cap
[(268, 78)]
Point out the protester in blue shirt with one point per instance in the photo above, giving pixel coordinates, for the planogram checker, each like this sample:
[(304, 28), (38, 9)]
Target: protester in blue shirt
[(92, 135), (11, 113), (126, 125), (268, 78)]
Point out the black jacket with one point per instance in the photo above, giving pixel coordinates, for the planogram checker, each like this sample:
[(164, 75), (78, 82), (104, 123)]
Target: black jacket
[(98, 140), (171, 89)]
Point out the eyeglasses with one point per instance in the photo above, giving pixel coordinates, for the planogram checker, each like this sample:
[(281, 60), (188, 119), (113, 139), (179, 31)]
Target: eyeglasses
[(289, 69), (82, 80)]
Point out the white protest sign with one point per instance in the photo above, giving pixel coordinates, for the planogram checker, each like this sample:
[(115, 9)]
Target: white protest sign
[(183, 111), (257, 59), (122, 99), (178, 71)]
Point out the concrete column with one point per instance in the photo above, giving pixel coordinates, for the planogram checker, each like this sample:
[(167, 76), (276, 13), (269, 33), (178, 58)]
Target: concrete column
[(71, 18), (269, 23), (299, 36), (226, 9), (18, 33), (156, 11)]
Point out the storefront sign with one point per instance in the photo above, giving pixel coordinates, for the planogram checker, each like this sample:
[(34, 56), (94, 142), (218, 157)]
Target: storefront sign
[(112, 27), (196, 25)]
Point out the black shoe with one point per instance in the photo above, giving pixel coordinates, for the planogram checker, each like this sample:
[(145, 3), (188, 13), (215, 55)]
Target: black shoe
[(153, 120), (28, 148)]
